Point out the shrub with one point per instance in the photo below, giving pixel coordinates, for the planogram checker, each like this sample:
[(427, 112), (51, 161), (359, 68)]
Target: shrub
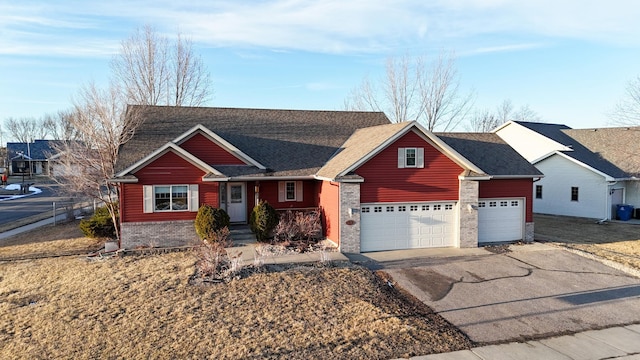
[(299, 226), (264, 218), (210, 220), (99, 225)]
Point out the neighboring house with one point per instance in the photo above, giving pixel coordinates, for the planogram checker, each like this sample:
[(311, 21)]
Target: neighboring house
[(587, 171), (380, 186), (35, 154)]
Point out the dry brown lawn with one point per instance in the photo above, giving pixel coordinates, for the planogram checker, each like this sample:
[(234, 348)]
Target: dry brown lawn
[(146, 307), (615, 241), (49, 240)]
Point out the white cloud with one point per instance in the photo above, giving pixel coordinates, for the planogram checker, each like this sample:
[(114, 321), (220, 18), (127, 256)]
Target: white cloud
[(330, 26)]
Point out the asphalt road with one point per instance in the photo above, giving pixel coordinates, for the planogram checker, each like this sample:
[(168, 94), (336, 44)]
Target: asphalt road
[(15, 209), (534, 291)]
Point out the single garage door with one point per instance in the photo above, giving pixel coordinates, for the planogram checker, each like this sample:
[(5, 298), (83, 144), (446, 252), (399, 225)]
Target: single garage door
[(500, 220), (394, 226)]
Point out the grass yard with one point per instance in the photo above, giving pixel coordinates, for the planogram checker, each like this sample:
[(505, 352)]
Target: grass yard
[(48, 240), (145, 307), (615, 241)]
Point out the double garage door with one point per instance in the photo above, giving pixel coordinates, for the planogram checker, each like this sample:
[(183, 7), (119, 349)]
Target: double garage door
[(395, 226)]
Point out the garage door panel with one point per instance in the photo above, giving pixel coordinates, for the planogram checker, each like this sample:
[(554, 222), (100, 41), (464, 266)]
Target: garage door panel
[(500, 220), (407, 226)]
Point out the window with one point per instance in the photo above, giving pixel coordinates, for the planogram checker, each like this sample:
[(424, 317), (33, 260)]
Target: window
[(492, 203), (161, 198), (448, 207), (482, 204), (574, 193), (515, 203), (413, 208), (365, 209), (171, 198), (389, 208), (503, 203), (402, 208), (437, 207), (377, 209), (289, 191), (538, 191), (410, 157), (425, 207)]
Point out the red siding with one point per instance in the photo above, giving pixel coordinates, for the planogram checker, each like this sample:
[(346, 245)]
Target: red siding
[(269, 192), (385, 182), (169, 169), (209, 152), (514, 188), (329, 201)]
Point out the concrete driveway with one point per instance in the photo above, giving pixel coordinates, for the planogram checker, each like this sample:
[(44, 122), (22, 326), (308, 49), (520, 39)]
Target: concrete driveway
[(530, 292)]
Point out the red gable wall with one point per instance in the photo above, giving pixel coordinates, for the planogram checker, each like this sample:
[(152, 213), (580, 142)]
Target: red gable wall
[(209, 152), (169, 169), (521, 188), (385, 182)]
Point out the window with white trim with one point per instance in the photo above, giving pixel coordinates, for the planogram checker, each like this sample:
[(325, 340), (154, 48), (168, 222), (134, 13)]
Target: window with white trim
[(162, 198), (289, 191), (410, 157)]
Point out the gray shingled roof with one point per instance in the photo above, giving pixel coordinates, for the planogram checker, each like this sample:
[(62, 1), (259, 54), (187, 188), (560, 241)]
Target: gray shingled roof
[(490, 153), (287, 142), (612, 151)]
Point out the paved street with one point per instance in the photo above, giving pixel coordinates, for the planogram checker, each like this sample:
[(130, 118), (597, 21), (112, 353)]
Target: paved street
[(12, 210)]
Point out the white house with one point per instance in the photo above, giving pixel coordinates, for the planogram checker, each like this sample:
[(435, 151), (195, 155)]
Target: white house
[(588, 172)]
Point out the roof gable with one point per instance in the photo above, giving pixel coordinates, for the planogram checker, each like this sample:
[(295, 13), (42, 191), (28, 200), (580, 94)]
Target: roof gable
[(218, 141), (284, 142), (366, 143), (168, 147)]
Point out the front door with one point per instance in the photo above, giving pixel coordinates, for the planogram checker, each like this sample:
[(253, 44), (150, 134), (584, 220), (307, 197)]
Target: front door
[(237, 202), (617, 197)]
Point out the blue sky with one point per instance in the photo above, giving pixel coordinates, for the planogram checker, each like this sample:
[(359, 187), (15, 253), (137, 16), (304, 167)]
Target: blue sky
[(568, 60)]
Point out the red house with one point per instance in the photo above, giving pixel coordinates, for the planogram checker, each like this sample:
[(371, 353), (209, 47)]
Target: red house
[(380, 186)]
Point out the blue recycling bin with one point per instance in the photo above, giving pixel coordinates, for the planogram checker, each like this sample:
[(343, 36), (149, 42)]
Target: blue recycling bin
[(624, 212)]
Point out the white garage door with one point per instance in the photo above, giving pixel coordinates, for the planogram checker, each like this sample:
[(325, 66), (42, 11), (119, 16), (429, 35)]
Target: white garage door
[(394, 226), (500, 220)]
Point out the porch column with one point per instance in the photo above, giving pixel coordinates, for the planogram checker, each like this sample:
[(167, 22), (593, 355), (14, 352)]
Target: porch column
[(350, 234), (468, 213)]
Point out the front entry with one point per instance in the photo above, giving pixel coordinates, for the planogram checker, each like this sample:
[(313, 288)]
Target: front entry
[(237, 202)]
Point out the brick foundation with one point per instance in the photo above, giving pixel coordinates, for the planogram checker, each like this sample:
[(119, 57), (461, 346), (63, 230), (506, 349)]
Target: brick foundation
[(157, 234)]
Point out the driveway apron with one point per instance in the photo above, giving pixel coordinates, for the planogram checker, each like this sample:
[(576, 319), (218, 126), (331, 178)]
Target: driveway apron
[(522, 294)]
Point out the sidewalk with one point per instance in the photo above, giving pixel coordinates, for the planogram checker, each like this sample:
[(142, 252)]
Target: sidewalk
[(614, 343)]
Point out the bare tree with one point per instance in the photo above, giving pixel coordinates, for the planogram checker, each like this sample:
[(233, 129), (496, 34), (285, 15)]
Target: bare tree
[(151, 70), (84, 167), (189, 83), (627, 111), (22, 129), (486, 120), (415, 89), (60, 125)]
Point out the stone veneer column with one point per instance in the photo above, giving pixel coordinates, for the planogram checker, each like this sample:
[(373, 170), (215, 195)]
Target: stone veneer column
[(528, 232), (350, 234), (468, 213)]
